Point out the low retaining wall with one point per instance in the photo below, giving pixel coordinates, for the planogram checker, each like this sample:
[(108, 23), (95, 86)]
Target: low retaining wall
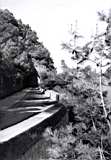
[(9, 85), (17, 146)]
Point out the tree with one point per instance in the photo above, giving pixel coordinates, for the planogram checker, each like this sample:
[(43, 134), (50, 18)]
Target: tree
[(97, 52)]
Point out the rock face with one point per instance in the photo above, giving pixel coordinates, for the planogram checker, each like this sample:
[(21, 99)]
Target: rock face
[(18, 46)]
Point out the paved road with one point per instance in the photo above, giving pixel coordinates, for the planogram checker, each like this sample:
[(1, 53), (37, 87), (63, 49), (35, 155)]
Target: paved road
[(23, 105)]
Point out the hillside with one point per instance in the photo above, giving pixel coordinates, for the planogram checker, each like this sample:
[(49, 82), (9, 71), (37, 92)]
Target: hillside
[(20, 51)]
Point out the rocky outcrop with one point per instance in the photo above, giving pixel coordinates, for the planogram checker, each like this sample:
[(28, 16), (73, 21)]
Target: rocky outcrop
[(18, 45)]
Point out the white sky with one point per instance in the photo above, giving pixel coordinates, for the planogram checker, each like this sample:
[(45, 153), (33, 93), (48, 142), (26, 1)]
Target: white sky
[(52, 19)]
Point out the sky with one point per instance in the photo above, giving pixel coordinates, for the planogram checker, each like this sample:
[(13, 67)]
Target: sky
[(52, 19)]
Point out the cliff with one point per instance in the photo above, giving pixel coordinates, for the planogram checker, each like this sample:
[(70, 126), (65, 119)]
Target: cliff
[(20, 51)]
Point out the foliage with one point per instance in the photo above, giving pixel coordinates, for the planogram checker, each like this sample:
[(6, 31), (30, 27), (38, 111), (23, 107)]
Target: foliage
[(17, 40), (65, 146)]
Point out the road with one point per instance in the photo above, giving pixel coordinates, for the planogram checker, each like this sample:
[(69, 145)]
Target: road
[(23, 105)]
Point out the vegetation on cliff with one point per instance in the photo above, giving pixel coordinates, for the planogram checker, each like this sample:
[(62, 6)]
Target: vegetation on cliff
[(19, 45)]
